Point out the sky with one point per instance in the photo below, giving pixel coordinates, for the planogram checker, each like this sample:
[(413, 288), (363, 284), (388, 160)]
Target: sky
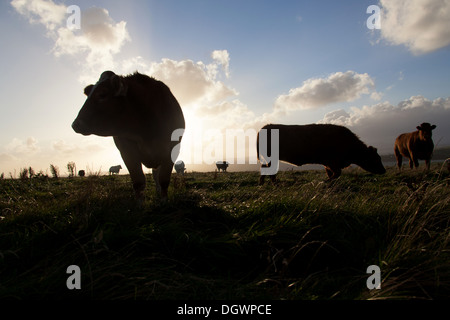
[(232, 65)]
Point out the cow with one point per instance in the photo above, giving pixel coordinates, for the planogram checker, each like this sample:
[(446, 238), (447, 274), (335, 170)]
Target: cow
[(222, 165), (115, 169), (179, 167), (142, 115), (81, 173), (333, 146), (415, 146)]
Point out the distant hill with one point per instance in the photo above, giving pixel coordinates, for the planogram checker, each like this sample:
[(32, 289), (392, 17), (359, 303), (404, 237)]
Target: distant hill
[(440, 153)]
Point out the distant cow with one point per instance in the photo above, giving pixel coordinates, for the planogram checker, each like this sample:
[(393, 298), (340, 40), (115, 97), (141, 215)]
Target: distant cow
[(333, 146), (179, 167), (81, 173), (115, 169), (417, 145), (222, 165), (142, 115)]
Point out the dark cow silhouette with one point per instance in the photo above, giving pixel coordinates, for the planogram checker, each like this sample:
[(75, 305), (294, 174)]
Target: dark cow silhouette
[(180, 167), (222, 165), (115, 169), (141, 114), (415, 146), (81, 173), (333, 146)]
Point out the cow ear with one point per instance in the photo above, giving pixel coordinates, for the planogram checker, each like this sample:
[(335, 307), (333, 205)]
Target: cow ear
[(88, 89), (119, 86), (433, 127), (419, 128)]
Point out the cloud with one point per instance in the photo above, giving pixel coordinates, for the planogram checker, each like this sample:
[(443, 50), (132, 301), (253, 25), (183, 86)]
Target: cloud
[(319, 92), (99, 39), (381, 123), (192, 82), (48, 13), (98, 34), (226, 114), (93, 46), (222, 57), (18, 146), (421, 25), (88, 148)]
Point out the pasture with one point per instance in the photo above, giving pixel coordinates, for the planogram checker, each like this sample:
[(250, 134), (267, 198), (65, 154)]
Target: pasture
[(221, 236)]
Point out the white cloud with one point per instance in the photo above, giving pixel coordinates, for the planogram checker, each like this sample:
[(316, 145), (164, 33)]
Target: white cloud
[(18, 146), (226, 114), (191, 82), (421, 25), (98, 34), (319, 92), (93, 46), (99, 39), (376, 96), (381, 123), (64, 147), (222, 57), (92, 146), (48, 13)]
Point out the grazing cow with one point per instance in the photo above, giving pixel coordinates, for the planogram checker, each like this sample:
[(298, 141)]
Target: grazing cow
[(179, 167), (142, 115), (333, 146), (81, 173), (222, 165), (415, 146), (115, 169)]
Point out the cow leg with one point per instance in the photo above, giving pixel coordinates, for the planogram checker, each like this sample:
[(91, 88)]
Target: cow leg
[(399, 158), (155, 174), (134, 166), (330, 173), (333, 172), (165, 171), (427, 163), (416, 162), (261, 179), (411, 163), (137, 177)]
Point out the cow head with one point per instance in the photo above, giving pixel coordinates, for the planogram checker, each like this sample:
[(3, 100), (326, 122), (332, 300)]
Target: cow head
[(372, 161), (103, 109), (425, 131)]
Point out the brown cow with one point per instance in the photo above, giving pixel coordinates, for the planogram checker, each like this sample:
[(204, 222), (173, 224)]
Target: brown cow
[(417, 145), (141, 114), (333, 146)]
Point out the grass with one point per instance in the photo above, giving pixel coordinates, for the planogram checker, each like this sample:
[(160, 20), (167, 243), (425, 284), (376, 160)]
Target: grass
[(221, 236)]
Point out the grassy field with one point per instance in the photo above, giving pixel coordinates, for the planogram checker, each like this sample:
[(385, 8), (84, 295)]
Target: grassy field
[(221, 236)]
